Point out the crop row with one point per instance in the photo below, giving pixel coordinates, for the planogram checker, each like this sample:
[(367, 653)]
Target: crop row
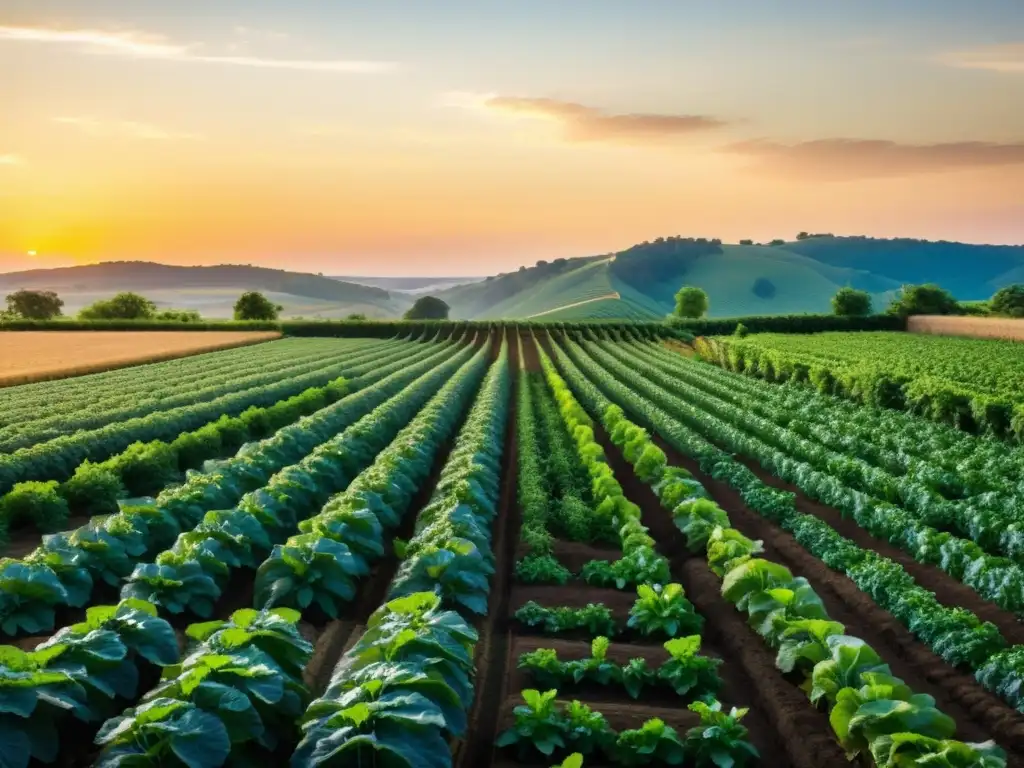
[(151, 380), (65, 569), (57, 459), (840, 671), (971, 384), (543, 724), (192, 573), (865, 493), (405, 687), (61, 418), (957, 464)]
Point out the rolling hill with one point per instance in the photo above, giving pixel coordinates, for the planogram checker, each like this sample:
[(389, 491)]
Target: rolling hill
[(799, 276), (211, 290)]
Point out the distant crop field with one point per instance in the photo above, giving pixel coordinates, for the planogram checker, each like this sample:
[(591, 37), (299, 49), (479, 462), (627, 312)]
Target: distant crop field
[(28, 356), (977, 327)]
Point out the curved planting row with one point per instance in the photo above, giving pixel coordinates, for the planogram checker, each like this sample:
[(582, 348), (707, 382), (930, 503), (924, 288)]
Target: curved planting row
[(321, 565), (192, 573), (404, 688), (255, 371), (972, 384), (871, 711), (152, 380), (65, 569), (900, 509), (58, 458), (952, 461), (144, 468)]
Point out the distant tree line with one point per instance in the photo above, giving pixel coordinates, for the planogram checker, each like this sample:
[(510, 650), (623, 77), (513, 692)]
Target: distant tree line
[(47, 305)]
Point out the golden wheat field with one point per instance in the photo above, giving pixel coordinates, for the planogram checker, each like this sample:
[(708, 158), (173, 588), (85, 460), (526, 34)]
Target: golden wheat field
[(28, 356), (978, 327)]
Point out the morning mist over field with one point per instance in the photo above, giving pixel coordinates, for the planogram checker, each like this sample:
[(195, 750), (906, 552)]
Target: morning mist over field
[(469, 138)]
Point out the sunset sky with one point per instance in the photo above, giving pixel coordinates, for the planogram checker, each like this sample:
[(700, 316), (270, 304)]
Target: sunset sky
[(448, 137)]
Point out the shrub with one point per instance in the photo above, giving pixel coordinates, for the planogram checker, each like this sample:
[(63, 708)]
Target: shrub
[(123, 306), (34, 502), (93, 490), (34, 305), (428, 308), (850, 302), (1009, 301), (927, 299)]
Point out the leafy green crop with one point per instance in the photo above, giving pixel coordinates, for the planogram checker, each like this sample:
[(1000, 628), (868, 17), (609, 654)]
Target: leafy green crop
[(541, 569), (596, 618), (719, 740), (664, 610)]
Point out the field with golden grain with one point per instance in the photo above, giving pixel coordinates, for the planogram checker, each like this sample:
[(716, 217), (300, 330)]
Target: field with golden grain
[(977, 327), (28, 356)]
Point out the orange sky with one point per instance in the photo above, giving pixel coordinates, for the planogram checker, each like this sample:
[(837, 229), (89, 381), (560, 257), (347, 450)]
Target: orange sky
[(471, 138)]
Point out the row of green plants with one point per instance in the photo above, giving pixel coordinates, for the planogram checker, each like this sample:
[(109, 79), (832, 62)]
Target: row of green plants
[(314, 566), (963, 397), (45, 422), (686, 672), (808, 323), (919, 522), (143, 469), (234, 698), (871, 711), (956, 634), (404, 690), (320, 566), (57, 459), (952, 462), (640, 563), (659, 610), (79, 395), (65, 569), (547, 726), (450, 550), (85, 673)]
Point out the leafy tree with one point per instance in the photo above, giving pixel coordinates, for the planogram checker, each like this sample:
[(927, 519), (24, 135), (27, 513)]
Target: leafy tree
[(777, 241), (927, 299), (746, 242), (763, 288), (356, 316), (802, 236), (34, 305), (691, 302), (1007, 301), (428, 308), (851, 302), (123, 306), (253, 305)]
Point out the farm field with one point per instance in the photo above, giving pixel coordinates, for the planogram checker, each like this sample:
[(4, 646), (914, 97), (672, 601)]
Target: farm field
[(978, 327), (500, 547), (974, 384), (31, 356)]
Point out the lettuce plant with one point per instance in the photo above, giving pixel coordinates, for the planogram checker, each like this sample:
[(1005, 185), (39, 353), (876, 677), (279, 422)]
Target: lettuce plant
[(904, 750), (586, 731), (538, 725), (541, 569), (664, 610), (597, 668), (596, 618), (686, 671), (653, 743), (850, 658), (636, 675), (719, 740)]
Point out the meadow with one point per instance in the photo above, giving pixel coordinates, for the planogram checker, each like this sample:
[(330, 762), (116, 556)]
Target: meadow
[(500, 545)]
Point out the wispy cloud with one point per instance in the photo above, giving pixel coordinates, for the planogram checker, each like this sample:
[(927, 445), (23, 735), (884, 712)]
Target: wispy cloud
[(12, 160), (850, 159), (1008, 57), (581, 123), (125, 129), (144, 45)]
